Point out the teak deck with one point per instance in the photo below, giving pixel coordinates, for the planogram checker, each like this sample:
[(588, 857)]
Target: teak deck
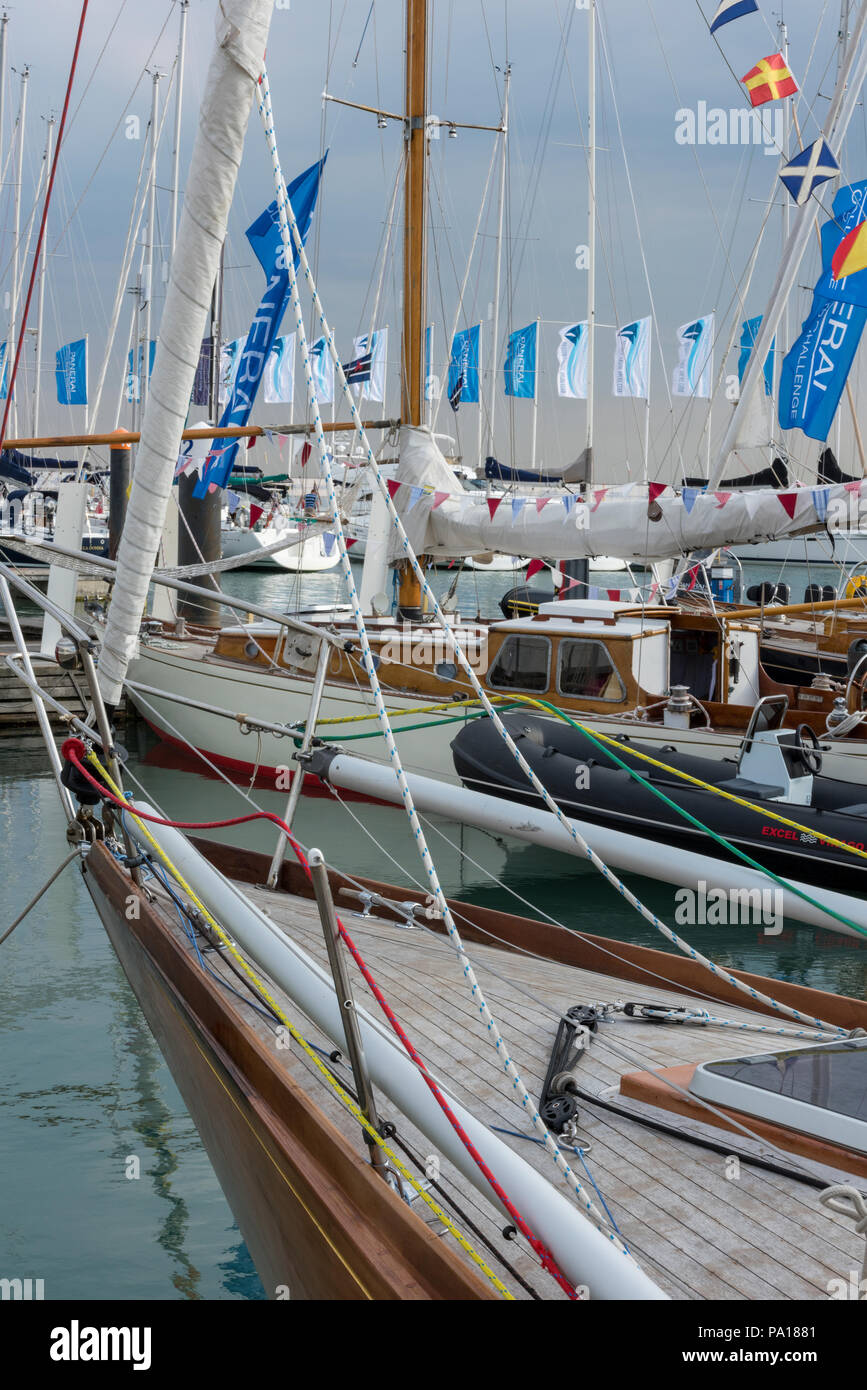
[(699, 1225)]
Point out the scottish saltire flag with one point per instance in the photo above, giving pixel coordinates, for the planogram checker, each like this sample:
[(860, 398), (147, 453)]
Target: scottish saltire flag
[(813, 166), (376, 345), (133, 377), (732, 9), (520, 369), (322, 367), (694, 370), (632, 359), (843, 247), (572, 362), (267, 243), (749, 333), (280, 372), (230, 360), (432, 385), (815, 370), (464, 367), (71, 373)]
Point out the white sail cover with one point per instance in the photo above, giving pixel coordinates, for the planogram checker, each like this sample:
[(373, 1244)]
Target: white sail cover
[(242, 33), (442, 521)]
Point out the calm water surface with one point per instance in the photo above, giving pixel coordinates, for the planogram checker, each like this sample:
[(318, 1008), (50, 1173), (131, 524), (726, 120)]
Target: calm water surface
[(84, 1087)]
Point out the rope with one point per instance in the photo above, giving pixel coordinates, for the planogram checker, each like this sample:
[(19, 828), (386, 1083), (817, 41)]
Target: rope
[(848, 1201), (72, 750), (287, 217), (76, 854)]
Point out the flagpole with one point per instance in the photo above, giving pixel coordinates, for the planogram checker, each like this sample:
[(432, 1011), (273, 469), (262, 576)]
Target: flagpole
[(535, 398), (495, 328), (647, 411), (176, 152), (40, 302), (591, 239), (481, 407), (16, 245)]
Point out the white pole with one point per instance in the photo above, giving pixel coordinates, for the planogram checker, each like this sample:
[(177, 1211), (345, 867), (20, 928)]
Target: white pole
[(151, 233), (40, 303), (535, 398), (495, 327), (591, 237), (480, 464), (176, 152), (16, 254), (4, 20), (647, 410)]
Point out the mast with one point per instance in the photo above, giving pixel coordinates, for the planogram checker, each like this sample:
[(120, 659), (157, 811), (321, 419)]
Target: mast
[(16, 234), (495, 326), (151, 233), (415, 214), (176, 152), (591, 237), (842, 107), (40, 303), (4, 20)]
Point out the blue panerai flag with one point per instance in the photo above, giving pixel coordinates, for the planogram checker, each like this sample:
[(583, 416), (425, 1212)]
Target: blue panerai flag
[(815, 370), (813, 166), (464, 367), (71, 373), (849, 211), (749, 333), (267, 243), (520, 370), (732, 9), (632, 359)]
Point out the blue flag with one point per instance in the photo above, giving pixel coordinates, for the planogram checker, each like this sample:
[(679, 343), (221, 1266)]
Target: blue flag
[(521, 362), (813, 166), (815, 370), (749, 333), (266, 241), (71, 373), (850, 209), (133, 377), (3, 373), (464, 367), (732, 9)]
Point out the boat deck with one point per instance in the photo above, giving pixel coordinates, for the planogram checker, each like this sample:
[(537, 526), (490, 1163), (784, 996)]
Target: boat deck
[(700, 1226)]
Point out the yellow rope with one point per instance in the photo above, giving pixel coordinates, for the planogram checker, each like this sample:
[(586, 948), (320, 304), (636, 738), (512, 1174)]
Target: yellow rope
[(347, 1100), (397, 713)]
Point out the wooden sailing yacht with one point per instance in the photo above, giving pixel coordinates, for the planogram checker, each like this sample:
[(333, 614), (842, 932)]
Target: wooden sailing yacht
[(234, 982)]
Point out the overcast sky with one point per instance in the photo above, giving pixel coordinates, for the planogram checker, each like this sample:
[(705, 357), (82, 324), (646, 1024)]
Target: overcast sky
[(699, 206)]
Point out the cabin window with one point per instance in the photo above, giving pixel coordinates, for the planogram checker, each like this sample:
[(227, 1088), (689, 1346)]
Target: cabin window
[(522, 663), (587, 672)]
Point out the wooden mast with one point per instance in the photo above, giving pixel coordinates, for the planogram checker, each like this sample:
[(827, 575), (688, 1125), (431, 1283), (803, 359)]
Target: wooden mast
[(415, 214), (414, 250)]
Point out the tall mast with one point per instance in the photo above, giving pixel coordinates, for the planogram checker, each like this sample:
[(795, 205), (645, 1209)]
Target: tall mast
[(176, 152), (4, 20), (151, 233), (16, 249), (40, 303), (591, 235), (495, 326), (415, 214)]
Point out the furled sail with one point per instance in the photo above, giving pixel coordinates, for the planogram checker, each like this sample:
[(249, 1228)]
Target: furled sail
[(442, 521)]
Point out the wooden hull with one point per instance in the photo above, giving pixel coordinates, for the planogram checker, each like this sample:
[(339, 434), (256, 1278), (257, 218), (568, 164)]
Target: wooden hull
[(317, 1221)]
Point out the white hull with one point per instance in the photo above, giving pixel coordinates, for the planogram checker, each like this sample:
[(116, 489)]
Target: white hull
[(284, 699), (849, 548), (307, 557)]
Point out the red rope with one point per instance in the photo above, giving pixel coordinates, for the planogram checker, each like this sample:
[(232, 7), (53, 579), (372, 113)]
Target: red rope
[(22, 330), (73, 750)]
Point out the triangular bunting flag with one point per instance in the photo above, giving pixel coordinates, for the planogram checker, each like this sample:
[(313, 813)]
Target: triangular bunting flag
[(351, 541), (328, 541), (541, 502), (392, 484), (689, 496), (533, 568), (518, 504), (493, 504), (306, 451), (598, 494), (568, 503), (255, 514), (439, 498), (655, 489), (415, 494), (722, 498), (820, 501), (788, 501)]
